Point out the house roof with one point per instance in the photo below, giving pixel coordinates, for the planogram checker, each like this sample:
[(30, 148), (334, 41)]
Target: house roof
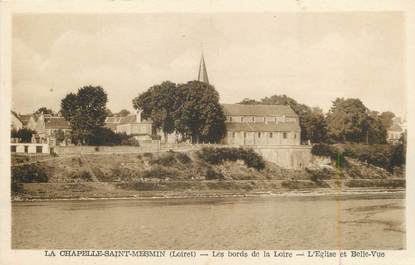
[(57, 123), (25, 118), (263, 127), (395, 128), (114, 121), (258, 110)]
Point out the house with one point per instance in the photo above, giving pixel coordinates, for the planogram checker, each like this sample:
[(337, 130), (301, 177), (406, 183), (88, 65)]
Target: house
[(54, 130), (395, 132), (16, 123), (251, 125), (134, 125)]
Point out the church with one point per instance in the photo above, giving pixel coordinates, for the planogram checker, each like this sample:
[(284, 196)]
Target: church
[(271, 130), (257, 125)]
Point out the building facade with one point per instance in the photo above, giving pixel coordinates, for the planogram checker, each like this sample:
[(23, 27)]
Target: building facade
[(396, 131), (133, 125), (15, 122), (251, 125)]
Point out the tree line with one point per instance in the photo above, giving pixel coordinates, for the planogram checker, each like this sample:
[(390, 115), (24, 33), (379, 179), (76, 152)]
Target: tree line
[(193, 110), (348, 120)]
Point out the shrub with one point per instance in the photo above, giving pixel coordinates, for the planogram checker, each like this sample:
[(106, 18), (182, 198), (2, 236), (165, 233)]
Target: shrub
[(166, 160), (148, 155), (335, 153), (105, 136), (212, 174), (183, 158), (85, 175), (380, 155), (160, 172), (219, 155), (24, 134), (29, 174)]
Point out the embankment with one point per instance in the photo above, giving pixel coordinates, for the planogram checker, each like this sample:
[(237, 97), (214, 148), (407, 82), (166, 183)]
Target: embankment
[(181, 174)]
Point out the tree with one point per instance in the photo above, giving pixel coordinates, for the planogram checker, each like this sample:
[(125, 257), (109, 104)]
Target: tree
[(123, 113), (374, 129), (60, 136), (44, 110), (200, 115), (85, 111), (347, 120), (24, 135), (387, 119), (191, 109), (109, 113), (160, 103), (315, 126)]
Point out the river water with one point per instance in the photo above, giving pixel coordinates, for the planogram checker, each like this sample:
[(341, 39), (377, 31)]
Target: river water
[(274, 222)]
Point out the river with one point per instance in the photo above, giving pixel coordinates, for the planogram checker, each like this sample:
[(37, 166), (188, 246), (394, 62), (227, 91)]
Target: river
[(273, 222)]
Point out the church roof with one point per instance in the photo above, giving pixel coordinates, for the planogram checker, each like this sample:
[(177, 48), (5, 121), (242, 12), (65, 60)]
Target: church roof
[(263, 127), (202, 75), (258, 110)]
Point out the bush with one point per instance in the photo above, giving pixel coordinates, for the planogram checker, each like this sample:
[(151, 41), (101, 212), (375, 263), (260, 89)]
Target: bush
[(160, 172), (212, 174), (171, 158), (381, 155), (166, 160), (29, 174), (24, 135), (105, 136), (183, 158), (219, 155)]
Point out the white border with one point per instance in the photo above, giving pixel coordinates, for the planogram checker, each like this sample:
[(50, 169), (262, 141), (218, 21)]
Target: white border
[(8, 256)]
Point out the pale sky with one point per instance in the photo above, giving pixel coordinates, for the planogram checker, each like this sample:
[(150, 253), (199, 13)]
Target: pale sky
[(311, 57)]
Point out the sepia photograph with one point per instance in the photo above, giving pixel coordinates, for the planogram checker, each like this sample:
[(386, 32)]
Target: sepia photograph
[(208, 130)]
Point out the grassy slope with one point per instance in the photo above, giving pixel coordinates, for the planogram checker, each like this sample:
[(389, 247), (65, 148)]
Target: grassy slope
[(124, 175)]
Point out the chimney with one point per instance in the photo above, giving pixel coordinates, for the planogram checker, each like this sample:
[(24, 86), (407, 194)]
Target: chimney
[(138, 116)]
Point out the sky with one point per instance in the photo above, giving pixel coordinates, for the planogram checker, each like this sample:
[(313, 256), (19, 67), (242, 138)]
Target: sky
[(311, 57)]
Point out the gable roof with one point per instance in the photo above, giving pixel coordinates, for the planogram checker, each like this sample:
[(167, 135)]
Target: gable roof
[(396, 128), (57, 123), (258, 110), (25, 118), (263, 127)]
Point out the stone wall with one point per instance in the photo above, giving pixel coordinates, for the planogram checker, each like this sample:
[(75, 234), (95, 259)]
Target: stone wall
[(290, 157), (153, 146)]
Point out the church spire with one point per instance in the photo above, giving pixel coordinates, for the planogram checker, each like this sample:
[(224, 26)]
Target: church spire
[(202, 76)]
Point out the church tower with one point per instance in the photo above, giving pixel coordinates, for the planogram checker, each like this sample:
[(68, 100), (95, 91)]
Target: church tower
[(202, 76)]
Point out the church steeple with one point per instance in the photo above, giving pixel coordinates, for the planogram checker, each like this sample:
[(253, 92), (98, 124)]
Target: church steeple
[(202, 76)]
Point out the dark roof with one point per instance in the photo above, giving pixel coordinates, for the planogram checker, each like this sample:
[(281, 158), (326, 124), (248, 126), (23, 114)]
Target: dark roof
[(57, 123), (25, 118), (395, 128), (263, 127), (258, 110), (113, 119)]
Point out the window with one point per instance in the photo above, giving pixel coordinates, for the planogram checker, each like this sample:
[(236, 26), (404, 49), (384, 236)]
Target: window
[(39, 149), (230, 119), (233, 134), (295, 136), (259, 135), (284, 135), (270, 135), (13, 149), (26, 149), (244, 134)]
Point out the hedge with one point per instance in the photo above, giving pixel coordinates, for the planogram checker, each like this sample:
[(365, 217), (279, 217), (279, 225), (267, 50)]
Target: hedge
[(219, 155)]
